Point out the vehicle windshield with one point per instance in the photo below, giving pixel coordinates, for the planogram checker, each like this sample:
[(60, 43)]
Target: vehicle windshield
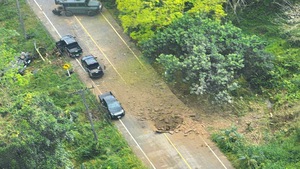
[(93, 66), (72, 45)]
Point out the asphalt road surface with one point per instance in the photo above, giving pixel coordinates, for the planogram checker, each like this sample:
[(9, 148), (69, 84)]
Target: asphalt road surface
[(138, 88)]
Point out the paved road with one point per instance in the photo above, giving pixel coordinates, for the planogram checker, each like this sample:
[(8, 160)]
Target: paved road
[(129, 77)]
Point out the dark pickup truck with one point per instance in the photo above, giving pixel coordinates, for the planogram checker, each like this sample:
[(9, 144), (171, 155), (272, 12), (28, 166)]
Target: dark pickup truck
[(67, 44)]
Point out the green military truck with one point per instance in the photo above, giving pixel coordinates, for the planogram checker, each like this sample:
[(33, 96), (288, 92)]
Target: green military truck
[(83, 7)]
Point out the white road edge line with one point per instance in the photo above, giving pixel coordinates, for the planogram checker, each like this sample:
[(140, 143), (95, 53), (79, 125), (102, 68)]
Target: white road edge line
[(137, 144), (90, 36), (47, 19), (79, 64), (147, 69), (60, 37), (100, 91), (94, 84), (213, 153)]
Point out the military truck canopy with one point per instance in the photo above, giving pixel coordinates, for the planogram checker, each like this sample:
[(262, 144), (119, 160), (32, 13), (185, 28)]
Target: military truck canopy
[(71, 1)]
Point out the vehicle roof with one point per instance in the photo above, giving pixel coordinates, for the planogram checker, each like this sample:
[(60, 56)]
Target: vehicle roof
[(90, 2), (90, 59), (69, 39), (110, 99), (106, 94), (71, 1)]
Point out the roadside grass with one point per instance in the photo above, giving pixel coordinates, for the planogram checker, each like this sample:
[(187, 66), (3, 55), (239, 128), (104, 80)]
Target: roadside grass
[(49, 78), (261, 20), (287, 63), (278, 127)]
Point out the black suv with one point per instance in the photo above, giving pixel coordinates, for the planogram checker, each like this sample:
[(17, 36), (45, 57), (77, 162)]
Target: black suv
[(91, 65), (113, 106)]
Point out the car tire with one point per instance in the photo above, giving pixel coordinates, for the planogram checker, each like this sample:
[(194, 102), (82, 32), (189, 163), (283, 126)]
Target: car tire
[(91, 13), (66, 51), (68, 13)]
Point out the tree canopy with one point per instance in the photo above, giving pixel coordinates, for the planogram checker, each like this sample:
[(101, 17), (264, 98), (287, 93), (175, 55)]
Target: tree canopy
[(35, 133), (42, 119), (33, 127), (210, 56), (141, 19)]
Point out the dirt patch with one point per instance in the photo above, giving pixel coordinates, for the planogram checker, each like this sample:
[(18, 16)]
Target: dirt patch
[(167, 123), (147, 97)]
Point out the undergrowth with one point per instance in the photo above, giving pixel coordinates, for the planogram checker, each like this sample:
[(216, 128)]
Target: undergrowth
[(68, 141), (279, 147)]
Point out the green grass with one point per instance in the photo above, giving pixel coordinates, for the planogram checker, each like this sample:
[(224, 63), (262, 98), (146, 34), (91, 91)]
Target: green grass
[(280, 145), (110, 151)]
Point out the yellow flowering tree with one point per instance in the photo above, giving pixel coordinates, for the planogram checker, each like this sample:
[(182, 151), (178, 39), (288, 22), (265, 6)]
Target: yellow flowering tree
[(141, 19)]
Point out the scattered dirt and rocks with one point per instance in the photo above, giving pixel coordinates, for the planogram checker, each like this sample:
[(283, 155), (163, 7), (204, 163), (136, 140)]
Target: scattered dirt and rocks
[(168, 123)]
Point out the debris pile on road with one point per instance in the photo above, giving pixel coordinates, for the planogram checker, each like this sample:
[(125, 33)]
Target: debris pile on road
[(167, 123)]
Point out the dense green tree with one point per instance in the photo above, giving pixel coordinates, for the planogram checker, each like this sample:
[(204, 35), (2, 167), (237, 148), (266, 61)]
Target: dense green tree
[(141, 19), (33, 127), (291, 22), (211, 57), (42, 119), (33, 138), (38, 123)]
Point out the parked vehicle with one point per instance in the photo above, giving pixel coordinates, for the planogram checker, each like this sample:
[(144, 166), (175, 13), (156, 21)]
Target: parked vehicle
[(92, 66), (71, 7), (114, 107), (68, 44)]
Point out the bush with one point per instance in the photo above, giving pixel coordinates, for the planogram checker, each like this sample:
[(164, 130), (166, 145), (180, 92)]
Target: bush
[(211, 57)]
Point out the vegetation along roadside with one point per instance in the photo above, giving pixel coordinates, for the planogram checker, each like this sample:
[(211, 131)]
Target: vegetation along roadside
[(241, 58), (42, 115)]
